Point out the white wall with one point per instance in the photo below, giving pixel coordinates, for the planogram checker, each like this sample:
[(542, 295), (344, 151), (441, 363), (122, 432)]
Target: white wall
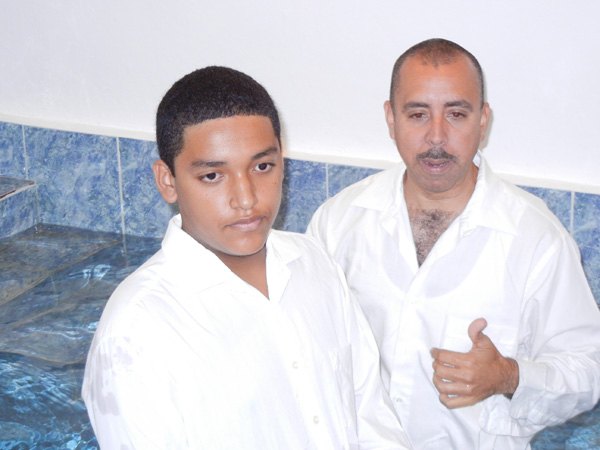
[(103, 65)]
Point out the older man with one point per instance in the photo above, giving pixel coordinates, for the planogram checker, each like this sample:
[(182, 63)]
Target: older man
[(487, 328)]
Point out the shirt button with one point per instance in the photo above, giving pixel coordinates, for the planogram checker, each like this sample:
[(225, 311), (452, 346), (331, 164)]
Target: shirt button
[(398, 400), (295, 364), (316, 419)]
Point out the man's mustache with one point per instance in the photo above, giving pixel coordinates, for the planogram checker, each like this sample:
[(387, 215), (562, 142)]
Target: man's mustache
[(437, 153)]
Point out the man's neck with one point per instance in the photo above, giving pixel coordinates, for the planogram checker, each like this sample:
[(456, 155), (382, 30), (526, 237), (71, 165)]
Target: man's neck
[(452, 200), (431, 213)]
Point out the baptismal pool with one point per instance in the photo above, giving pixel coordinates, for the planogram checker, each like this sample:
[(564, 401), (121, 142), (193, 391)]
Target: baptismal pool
[(54, 282)]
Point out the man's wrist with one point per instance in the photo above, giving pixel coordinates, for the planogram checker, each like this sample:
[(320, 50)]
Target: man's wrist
[(512, 378)]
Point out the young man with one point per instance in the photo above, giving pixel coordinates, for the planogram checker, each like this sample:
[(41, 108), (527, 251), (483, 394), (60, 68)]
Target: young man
[(232, 336), (487, 328)]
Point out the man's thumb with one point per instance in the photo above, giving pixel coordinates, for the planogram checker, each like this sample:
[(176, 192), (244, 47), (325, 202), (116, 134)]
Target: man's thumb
[(476, 329)]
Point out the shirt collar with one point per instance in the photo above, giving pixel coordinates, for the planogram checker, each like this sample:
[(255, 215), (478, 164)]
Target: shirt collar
[(488, 207), (283, 250), (384, 193), (193, 268)]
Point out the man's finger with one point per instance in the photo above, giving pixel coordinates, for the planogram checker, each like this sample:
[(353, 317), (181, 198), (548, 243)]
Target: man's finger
[(444, 371), (447, 357), (454, 401), (475, 330)]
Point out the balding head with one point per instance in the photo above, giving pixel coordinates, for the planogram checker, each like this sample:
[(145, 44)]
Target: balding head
[(435, 52)]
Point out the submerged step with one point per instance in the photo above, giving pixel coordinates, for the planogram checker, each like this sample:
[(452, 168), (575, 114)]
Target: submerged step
[(10, 185), (18, 205)]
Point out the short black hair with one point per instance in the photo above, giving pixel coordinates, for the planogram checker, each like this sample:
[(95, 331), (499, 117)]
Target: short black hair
[(213, 92), (435, 51)]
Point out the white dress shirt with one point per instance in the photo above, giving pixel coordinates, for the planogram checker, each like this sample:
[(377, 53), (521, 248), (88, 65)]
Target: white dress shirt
[(507, 259), (189, 356)]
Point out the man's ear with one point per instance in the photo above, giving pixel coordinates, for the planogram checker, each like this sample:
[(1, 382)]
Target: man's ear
[(389, 117), (485, 117), (165, 181)]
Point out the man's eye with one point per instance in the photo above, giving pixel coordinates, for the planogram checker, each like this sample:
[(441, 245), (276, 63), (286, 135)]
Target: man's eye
[(418, 115), (210, 177), (263, 166), (456, 114)]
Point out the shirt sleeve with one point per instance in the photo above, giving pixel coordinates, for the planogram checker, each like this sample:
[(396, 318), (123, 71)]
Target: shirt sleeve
[(559, 349), (316, 226), (127, 397), (377, 423)]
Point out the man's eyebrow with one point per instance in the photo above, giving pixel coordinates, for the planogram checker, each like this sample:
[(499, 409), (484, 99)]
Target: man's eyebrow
[(411, 105), (200, 163), (457, 103), (460, 104), (203, 163), (267, 152)]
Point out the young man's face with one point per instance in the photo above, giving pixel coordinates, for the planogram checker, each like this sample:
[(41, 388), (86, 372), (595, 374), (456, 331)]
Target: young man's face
[(438, 123), (228, 183)]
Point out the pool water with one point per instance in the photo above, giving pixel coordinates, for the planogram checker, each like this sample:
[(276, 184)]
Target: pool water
[(54, 283)]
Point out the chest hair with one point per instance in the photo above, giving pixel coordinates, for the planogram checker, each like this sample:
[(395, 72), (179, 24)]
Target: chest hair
[(427, 226)]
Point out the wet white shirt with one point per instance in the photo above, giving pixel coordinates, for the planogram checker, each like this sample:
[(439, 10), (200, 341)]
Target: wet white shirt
[(505, 258), (189, 356)]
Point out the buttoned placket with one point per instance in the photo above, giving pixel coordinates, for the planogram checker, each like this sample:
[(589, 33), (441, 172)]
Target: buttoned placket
[(408, 344), (302, 382), (296, 360)]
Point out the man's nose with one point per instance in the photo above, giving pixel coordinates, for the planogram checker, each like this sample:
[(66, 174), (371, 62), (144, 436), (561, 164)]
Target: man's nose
[(436, 134), (243, 193)]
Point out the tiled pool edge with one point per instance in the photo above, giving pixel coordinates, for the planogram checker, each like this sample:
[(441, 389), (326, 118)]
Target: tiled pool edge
[(106, 183)]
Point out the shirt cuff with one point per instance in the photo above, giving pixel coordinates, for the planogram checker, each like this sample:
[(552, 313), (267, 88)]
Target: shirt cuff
[(519, 416)]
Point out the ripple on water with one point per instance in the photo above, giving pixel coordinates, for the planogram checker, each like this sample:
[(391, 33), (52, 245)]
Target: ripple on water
[(41, 405)]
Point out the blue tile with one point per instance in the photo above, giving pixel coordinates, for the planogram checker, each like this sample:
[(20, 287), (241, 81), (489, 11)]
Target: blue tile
[(586, 231), (559, 202), (51, 250), (15, 280), (9, 185), (304, 190), (61, 333), (52, 313), (340, 176), (18, 211), (47, 292), (77, 177), (12, 151), (146, 213), (29, 258)]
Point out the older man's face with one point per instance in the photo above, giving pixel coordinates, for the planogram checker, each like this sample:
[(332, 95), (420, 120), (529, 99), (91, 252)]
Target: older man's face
[(438, 123)]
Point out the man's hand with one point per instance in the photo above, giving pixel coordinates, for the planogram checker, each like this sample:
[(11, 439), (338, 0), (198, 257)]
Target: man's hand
[(464, 379)]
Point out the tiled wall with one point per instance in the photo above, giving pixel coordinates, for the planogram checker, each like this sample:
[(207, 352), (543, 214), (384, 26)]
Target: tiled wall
[(106, 184)]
